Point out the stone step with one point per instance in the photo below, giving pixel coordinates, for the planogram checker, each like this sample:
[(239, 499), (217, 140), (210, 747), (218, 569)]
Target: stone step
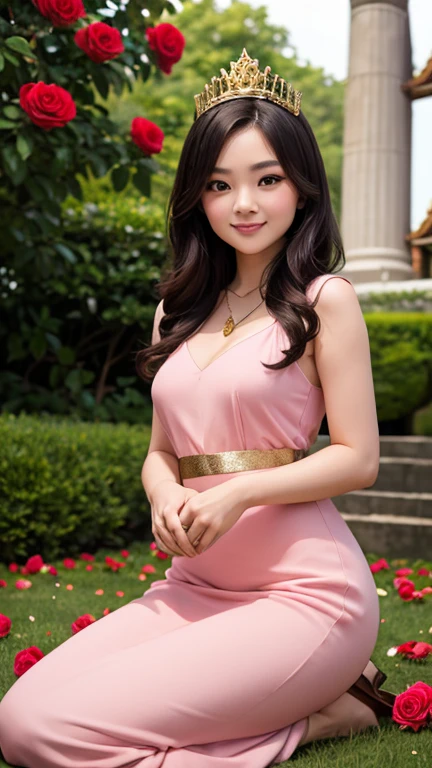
[(404, 474), (411, 446), (392, 535), (395, 503)]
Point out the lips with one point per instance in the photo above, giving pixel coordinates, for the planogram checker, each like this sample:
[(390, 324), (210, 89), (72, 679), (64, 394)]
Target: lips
[(248, 227)]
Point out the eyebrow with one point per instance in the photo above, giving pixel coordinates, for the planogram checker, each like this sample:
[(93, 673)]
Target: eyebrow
[(255, 167)]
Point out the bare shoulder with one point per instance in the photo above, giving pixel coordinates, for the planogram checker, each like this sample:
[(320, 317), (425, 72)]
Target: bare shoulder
[(337, 295)]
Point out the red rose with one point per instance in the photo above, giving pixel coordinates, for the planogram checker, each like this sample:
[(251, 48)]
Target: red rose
[(5, 625), (48, 106), (99, 41), (34, 564), (415, 650), (3, 583), (81, 622), (14, 567), (404, 571), (379, 565), (406, 589), (69, 562), (26, 658), (168, 42), (413, 707), (147, 135), (60, 14)]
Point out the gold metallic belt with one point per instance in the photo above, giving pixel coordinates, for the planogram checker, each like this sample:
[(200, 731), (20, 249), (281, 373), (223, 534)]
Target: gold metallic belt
[(236, 461)]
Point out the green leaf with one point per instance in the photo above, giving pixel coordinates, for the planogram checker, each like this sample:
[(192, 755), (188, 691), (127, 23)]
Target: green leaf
[(74, 187), (142, 181), (24, 146), (13, 112), (38, 344), (66, 355), (14, 165), (120, 178), (20, 45), (66, 252), (6, 125), (100, 81), (13, 59)]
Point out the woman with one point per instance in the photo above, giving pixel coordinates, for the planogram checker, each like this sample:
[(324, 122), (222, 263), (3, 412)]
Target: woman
[(256, 640)]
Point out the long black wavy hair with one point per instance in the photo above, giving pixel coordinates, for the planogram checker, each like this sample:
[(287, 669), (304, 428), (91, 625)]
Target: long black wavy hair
[(204, 264)]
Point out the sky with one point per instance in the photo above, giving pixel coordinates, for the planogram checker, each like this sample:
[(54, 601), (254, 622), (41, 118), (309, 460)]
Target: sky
[(319, 31)]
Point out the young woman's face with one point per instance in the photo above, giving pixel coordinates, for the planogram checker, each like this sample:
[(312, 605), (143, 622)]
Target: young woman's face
[(237, 192)]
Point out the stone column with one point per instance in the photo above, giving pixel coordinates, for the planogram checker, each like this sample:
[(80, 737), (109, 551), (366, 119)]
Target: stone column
[(377, 144)]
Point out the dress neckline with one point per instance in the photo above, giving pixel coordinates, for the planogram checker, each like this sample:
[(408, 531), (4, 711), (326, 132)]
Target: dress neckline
[(247, 338), (240, 341)]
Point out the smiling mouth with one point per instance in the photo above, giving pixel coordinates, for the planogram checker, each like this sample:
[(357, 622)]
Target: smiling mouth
[(248, 226)]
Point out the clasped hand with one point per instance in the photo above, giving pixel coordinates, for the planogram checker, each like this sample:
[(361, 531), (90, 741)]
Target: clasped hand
[(207, 514)]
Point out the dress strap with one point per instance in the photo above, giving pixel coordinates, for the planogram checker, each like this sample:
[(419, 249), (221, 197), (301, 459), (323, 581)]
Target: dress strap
[(316, 285)]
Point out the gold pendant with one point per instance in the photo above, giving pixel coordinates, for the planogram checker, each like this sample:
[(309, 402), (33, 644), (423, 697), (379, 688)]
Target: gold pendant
[(228, 327)]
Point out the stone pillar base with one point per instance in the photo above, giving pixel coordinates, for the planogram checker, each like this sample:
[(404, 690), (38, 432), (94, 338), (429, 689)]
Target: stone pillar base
[(377, 264)]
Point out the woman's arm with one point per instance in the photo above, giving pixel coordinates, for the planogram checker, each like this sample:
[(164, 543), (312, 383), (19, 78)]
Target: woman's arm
[(351, 462)]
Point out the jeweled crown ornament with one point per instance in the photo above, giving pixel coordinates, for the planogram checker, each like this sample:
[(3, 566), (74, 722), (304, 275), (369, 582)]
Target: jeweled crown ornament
[(246, 80)]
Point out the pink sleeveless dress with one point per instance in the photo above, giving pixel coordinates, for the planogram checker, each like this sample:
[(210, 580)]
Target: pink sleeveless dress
[(220, 662)]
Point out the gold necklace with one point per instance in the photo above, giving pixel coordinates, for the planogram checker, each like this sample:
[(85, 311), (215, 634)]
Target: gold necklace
[(230, 324)]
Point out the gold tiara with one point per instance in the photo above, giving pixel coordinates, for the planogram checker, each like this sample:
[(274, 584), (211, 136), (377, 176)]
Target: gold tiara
[(246, 80)]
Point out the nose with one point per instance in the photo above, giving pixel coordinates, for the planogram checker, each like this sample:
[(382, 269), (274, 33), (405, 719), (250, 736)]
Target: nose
[(244, 201)]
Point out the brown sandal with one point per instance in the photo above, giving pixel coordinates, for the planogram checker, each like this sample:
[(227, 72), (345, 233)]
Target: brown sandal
[(367, 690)]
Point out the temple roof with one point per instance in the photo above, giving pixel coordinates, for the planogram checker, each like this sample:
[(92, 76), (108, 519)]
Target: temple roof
[(425, 228), (420, 85)]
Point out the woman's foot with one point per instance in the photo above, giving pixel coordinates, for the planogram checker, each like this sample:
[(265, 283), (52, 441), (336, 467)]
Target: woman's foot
[(339, 718)]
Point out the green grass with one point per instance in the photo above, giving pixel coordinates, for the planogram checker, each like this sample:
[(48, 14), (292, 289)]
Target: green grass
[(403, 621)]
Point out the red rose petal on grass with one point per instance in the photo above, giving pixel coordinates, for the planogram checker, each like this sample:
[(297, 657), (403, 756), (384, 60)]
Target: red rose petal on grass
[(406, 589), (23, 584), (120, 594), (162, 555), (412, 708), (26, 658), (34, 564), (13, 567), (106, 611), (81, 622), (69, 562), (99, 592), (149, 568), (426, 591), (5, 625), (3, 583), (142, 577), (89, 567), (53, 571), (124, 553), (414, 649), (87, 556)]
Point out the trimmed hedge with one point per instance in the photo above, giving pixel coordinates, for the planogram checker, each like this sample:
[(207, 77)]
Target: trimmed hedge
[(70, 487), (401, 354)]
